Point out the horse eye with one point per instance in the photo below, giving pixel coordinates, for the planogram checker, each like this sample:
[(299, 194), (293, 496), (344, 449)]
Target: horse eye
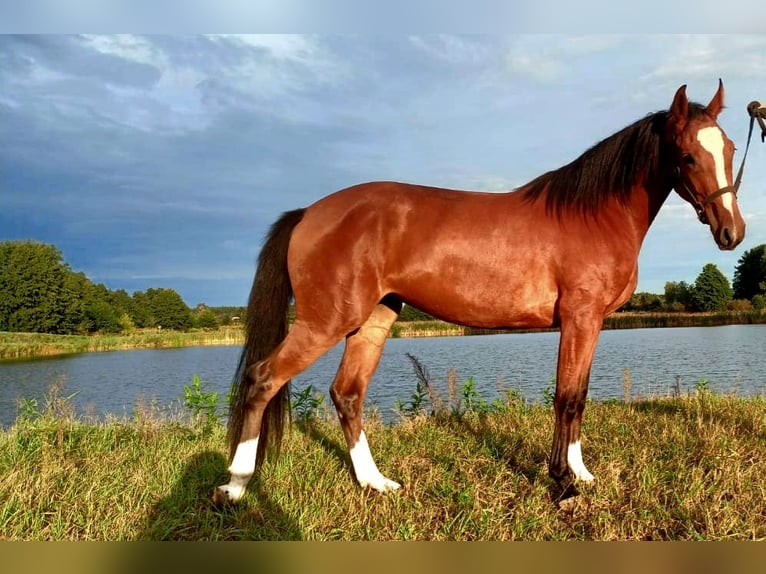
[(688, 159)]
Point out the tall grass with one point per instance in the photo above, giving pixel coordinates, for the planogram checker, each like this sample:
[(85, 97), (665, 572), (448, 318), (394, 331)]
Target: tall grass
[(27, 345), (677, 468)]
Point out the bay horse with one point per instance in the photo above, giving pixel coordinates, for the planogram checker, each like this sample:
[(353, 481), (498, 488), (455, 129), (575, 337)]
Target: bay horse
[(560, 251)]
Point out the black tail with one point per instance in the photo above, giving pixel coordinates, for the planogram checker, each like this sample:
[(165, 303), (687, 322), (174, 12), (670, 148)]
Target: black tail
[(265, 328)]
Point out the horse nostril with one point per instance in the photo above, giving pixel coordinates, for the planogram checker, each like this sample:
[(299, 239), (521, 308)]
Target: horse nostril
[(727, 240)]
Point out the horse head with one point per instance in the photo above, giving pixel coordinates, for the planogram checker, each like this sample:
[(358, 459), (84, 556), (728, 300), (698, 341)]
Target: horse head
[(703, 166)]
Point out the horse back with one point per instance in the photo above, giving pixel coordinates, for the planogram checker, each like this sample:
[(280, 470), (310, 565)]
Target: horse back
[(481, 259)]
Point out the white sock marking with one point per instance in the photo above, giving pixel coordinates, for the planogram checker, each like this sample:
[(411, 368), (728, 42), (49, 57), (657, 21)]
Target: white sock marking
[(711, 139), (576, 465), (241, 469), (366, 470), (244, 458)]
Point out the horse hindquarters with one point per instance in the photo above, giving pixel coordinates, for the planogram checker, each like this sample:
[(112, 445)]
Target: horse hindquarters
[(270, 358)]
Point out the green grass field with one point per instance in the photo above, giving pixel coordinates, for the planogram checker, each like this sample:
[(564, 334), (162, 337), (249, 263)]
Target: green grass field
[(685, 468)]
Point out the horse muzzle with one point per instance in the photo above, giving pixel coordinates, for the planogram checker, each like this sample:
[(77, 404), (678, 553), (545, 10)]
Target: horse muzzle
[(728, 231)]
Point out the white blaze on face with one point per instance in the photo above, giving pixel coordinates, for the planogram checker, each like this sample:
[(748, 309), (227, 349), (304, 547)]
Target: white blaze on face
[(711, 139)]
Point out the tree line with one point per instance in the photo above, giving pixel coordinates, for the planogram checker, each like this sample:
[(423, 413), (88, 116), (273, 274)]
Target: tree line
[(711, 291), (40, 293)]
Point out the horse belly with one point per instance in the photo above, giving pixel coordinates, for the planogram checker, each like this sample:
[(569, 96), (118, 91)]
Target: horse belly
[(485, 298)]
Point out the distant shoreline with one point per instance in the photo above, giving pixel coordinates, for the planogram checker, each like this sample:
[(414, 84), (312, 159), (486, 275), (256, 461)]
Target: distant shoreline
[(21, 346), (620, 320)]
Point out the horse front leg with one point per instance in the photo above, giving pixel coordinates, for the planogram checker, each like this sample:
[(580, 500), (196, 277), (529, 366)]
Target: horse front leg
[(579, 335)]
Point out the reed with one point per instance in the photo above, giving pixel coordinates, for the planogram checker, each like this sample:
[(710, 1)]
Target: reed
[(658, 320), (30, 345), (426, 329)]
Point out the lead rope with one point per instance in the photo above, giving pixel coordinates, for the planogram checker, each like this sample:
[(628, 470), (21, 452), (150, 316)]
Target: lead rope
[(756, 111)]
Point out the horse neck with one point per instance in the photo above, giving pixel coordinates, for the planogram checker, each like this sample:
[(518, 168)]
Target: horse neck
[(657, 195), (643, 205)]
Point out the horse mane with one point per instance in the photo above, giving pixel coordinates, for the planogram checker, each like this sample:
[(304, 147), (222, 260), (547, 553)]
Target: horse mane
[(609, 169)]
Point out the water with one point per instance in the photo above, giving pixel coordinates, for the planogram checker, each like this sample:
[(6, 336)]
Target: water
[(730, 358)]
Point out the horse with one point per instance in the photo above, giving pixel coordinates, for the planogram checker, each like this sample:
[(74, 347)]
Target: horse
[(560, 251)]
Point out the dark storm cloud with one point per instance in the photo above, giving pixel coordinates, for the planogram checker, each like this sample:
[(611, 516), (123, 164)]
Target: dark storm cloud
[(129, 196), (161, 160)]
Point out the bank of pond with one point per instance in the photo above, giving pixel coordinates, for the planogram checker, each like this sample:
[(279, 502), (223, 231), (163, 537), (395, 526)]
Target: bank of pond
[(633, 362), (31, 345)]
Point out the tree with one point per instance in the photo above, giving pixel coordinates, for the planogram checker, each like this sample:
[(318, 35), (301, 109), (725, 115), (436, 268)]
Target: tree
[(678, 295), (78, 287), (102, 317), (168, 309), (141, 312), (643, 301), (204, 318), (711, 289), (36, 293), (750, 273), (410, 313)]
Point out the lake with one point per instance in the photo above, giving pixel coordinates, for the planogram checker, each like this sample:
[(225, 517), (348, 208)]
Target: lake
[(731, 358)]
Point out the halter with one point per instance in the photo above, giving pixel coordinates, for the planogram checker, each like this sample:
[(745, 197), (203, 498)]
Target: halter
[(755, 111)]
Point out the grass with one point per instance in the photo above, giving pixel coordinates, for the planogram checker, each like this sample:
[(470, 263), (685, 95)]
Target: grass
[(690, 467), (653, 320), (434, 328), (28, 345)]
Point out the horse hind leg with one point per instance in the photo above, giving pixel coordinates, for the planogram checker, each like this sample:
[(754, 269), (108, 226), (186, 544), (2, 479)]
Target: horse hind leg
[(298, 351), (360, 359)]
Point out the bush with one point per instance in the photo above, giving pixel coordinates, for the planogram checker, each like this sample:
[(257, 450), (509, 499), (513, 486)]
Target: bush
[(739, 305)]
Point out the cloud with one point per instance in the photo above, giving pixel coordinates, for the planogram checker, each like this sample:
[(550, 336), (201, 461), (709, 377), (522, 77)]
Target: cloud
[(453, 49), (168, 157), (546, 58), (702, 57)]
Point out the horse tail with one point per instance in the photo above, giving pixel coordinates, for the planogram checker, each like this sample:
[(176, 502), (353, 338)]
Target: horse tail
[(265, 329)]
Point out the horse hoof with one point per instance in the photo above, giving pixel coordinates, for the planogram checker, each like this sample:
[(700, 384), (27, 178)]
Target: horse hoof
[(381, 484), (224, 496), (220, 499), (583, 475)]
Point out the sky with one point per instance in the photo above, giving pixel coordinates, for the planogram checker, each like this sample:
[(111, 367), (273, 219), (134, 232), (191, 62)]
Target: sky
[(161, 160)]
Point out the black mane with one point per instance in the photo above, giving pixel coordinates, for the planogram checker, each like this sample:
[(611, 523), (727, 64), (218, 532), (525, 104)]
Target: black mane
[(608, 169)]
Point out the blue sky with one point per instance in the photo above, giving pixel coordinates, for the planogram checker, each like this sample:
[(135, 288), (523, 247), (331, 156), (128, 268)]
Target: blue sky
[(160, 161)]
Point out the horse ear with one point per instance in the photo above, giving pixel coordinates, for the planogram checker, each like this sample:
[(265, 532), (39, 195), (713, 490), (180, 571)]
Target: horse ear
[(716, 104), (679, 110)]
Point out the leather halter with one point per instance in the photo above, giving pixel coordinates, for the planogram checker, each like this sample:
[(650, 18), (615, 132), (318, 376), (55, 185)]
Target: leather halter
[(754, 110)]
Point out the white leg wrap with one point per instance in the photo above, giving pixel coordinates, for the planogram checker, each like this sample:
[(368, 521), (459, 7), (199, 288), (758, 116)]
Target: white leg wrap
[(576, 465), (241, 469), (366, 470)]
